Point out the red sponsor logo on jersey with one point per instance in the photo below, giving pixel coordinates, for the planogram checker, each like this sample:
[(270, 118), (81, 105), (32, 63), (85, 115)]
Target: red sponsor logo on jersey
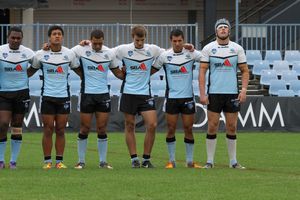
[(100, 68), (59, 69), (18, 68), (143, 66), (183, 69), (227, 63)]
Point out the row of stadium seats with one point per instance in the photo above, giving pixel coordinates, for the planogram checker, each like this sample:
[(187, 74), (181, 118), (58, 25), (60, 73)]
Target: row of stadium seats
[(275, 85), (279, 74), (272, 55), (286, 76), (278, 66), (280, 88)]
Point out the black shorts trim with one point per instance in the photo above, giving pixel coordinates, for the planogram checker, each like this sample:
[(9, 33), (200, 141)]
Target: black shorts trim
[(15, 101), (183, 105), (223, 102), (135, 104), (90, 103), (55, 105)]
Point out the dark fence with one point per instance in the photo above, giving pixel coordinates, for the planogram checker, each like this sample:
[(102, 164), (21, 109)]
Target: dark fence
[(257, 114)]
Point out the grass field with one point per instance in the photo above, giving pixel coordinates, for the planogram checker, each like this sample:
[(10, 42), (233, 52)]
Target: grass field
[(272, 161)]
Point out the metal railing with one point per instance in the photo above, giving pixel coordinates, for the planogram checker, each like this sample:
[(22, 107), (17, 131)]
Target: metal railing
[(246, 17), (115, 34), (270, 36)]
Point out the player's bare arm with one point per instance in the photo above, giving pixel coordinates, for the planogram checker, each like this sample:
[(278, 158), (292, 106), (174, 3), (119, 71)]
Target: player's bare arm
[(84, 42), (245, 79), (78, 71), (202, 81), (31, 71), (120, 74), (153, 70), (189, 47)]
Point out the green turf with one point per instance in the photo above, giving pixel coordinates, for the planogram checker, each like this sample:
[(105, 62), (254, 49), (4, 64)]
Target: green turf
[(272, 161)]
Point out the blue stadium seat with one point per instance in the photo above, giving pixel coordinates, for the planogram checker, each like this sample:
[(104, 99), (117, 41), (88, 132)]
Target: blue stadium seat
[(280, 65), (35, 86), (195, 75), (272, 55), (259, 66), (75, 87), (161, 72), (196, 88), (286, 93), (288, 76), (115, 87), (295, 86), (291, 56), (73, 76), (158, 87), (275, 86), (196, 65), (267, 76), (253, 55), (157, 76), (161, 93), (158, 84), (110, 76), (36, 75), (296, 67)]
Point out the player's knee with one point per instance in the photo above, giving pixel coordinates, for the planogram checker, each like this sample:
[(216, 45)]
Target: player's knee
[(170, 134), (152, 126), (212, 129), (129, 125), (49, 126), (171, 127), (231, 128), (214, 124), (101, 130), (60, 131), (171, 130), (3, 127), (85, 130), (187, 129)]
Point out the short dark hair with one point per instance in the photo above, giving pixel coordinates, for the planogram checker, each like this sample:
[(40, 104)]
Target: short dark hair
[(176, 32), (97, 34), (55, 27), (139, 31), (15, 29)]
